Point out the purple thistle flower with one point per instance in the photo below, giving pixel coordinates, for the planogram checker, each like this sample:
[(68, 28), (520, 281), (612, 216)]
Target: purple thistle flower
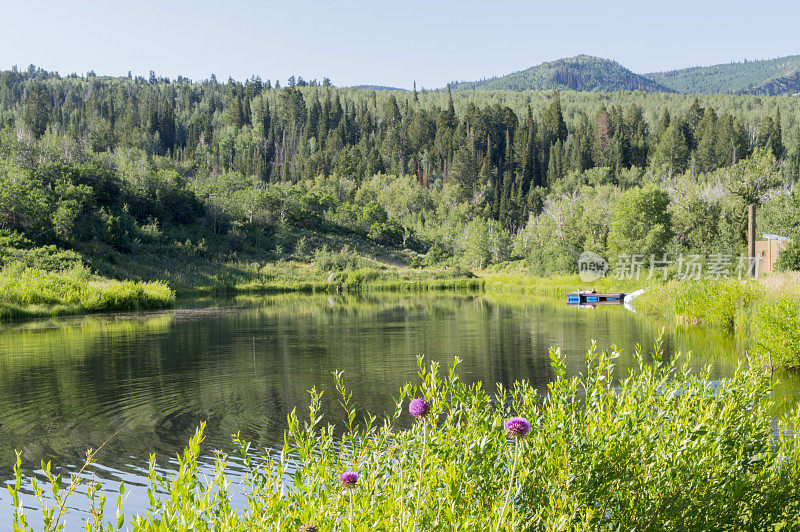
[(348, 479), (308, 527), (419, 408), (518, 427)]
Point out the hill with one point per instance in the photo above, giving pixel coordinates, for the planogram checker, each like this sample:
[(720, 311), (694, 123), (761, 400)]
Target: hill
[(581, 73), (771, 76), (376, 88)]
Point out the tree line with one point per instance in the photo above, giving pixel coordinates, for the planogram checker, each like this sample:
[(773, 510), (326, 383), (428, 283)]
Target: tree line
[(169, 148)]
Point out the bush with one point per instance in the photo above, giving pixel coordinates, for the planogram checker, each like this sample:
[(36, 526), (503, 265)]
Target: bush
[(355, 280), (15, 248), (25, 205), (386, 233), (345, 259), (663, 449), (789, 257)]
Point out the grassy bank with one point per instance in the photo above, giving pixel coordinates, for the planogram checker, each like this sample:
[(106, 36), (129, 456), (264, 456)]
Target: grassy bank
[(766, 311), (27, 292), (292, 276), (514, 277), (643, 455)]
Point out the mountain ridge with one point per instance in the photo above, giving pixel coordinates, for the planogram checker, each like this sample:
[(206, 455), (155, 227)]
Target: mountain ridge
[(582, 73), (764, 76), (778, 76)]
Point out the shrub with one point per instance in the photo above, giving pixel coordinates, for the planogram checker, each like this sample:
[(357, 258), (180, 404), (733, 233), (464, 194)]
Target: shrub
[(345, 259), (386, 233), (15, 248), (789, 257), (356, 279), (436, 253), (663, 449)]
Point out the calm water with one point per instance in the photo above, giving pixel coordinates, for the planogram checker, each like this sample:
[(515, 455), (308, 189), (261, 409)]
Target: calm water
[(242, 365)]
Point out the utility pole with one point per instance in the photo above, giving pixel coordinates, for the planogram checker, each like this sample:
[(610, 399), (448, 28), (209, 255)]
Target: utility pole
[(752, 261), (749, 179)]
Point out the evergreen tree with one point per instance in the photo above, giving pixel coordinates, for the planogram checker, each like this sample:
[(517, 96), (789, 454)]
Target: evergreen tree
[(37, 110), (554, 126), (672, 150)]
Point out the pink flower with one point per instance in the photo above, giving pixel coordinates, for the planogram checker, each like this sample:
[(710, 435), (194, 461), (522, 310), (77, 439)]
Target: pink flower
[(518, 427)]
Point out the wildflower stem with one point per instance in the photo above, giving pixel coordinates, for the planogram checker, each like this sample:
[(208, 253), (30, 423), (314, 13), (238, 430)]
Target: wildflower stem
[(402, 494), (510, 486), (421, 470), (351, 509)]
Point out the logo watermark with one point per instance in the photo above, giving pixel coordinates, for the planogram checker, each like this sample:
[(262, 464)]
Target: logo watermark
[(591, 266)]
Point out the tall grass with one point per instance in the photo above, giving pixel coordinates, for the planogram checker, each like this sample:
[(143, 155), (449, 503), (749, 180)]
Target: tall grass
[(661, 448), (776, 330), (559, 284), (765, 312), (26, 291), (726, 303)]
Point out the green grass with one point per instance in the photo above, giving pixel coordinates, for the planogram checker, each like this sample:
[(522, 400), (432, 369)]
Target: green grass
[(514, 277), (27, 292), (662, 449), (766, 312), (776, 330), (31, 292), (725, 303)]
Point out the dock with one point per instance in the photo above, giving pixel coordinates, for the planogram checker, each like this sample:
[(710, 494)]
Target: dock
[(590, 297)]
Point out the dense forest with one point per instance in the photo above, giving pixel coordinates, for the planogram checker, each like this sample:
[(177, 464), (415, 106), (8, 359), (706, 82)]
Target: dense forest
[(770, 76), (581, 73), (98, 170), (586, 73)]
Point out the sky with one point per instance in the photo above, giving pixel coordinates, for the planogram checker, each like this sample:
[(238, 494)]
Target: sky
[(384, 43)]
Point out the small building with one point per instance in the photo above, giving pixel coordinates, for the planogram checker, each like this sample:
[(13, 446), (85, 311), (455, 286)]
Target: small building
[(767, 251)]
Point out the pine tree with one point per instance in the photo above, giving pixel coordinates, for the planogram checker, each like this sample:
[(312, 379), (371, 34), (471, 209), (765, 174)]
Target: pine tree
[(37, 111), (553, 123)]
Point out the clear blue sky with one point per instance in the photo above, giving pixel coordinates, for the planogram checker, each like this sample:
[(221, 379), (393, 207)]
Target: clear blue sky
[(376, 42)]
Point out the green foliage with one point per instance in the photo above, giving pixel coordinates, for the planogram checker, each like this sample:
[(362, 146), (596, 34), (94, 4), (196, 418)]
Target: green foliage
[(34, 292), (23, 202), (725, 303), (663, 448), (776, 326), (753, 177), (344, 259), (476, 249), (789, 257), (15, 248), (640, 223), (200, 174)]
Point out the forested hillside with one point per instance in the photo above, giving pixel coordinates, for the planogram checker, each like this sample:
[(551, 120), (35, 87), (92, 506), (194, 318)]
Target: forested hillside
[(581, 73), (771, 76), (168, 179)]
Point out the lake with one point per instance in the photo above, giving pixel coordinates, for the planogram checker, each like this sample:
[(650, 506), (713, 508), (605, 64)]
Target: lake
[(146, 381)]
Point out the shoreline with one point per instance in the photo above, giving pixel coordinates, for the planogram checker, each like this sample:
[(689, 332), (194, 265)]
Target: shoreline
[(766, 310)]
